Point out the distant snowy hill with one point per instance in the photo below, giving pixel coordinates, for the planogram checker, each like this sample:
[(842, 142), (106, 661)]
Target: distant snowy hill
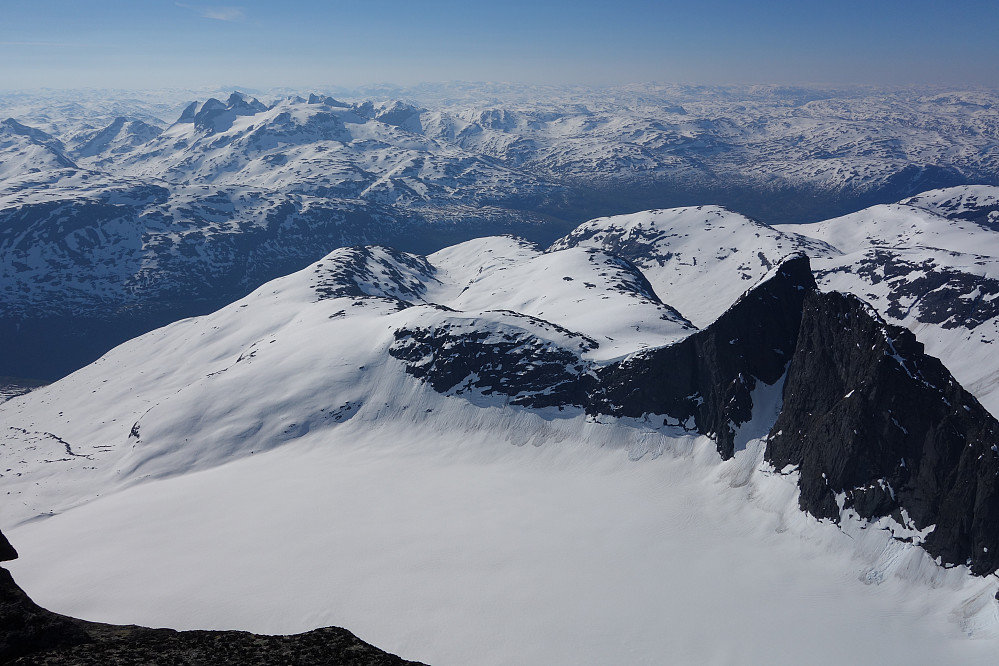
[(29, 150), (493, 438), (121, 136), (210, 208), (699, 259)]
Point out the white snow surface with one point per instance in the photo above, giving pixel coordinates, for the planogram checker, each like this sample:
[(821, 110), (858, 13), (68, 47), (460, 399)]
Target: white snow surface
[(699, 259), (285, 473), (460, 540), (898, 225)]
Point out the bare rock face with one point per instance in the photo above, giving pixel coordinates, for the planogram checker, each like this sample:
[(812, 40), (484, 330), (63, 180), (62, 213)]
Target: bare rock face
[(31, 635), (706, 380), (7, 551), (515, 361), (878, 427), (26, 628), (138, 645)]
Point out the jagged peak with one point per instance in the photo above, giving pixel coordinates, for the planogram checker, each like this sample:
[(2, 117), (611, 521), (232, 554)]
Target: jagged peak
[(796, 264), (878, 429), (211, 104), (210, 113), (187, 115), (326, 100), (244, 105)]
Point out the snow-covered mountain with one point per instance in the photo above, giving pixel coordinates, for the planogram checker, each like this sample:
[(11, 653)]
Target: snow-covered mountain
[(121, 136), (355, 436), (699, 259), (28, 150), (929, 264), (195, 204)]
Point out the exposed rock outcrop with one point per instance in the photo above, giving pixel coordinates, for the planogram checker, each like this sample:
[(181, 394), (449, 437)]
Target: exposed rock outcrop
[(7, 551), (873, 424), (878, 427), (26, 628), (31, 635), (514, 361), (709, 377)]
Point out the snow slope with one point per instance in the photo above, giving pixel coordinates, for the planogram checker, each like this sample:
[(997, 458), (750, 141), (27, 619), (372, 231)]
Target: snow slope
[(699, 259), (457, 543), (355, 297)]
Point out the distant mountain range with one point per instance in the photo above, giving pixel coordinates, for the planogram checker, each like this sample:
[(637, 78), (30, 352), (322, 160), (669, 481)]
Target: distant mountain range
[(130, 224)]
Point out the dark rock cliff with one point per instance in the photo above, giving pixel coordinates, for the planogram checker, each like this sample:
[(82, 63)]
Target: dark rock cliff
[(709, 376), (704, 381), (873, 424), (869, 417), (33, 636), (7, 551), (457, 357)]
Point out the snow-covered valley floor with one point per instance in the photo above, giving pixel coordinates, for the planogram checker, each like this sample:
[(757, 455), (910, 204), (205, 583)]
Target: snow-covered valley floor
[(454, 545)]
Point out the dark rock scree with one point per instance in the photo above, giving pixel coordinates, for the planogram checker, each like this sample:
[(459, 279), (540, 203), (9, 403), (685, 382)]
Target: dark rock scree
[(33, 636)]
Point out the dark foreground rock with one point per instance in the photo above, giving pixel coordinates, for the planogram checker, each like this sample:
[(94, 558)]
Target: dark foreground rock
[(31, 635), (877, 427)]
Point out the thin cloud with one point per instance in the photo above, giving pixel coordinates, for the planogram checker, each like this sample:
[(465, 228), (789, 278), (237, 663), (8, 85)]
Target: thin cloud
[(215, 12)]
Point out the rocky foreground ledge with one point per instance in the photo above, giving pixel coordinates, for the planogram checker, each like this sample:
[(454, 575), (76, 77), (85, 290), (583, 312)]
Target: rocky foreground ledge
[(29, 634)]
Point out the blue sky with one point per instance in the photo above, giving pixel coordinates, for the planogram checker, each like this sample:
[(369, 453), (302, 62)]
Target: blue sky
[(300, 43)]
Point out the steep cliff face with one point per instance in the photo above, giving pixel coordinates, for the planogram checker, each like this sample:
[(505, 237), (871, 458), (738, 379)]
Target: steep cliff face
[(7, 551), (877, 427), (706, 380)]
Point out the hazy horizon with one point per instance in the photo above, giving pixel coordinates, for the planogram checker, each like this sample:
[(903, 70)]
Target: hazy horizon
[(301, 44)]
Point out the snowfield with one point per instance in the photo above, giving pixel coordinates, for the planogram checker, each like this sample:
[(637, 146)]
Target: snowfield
[(455, 543)]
